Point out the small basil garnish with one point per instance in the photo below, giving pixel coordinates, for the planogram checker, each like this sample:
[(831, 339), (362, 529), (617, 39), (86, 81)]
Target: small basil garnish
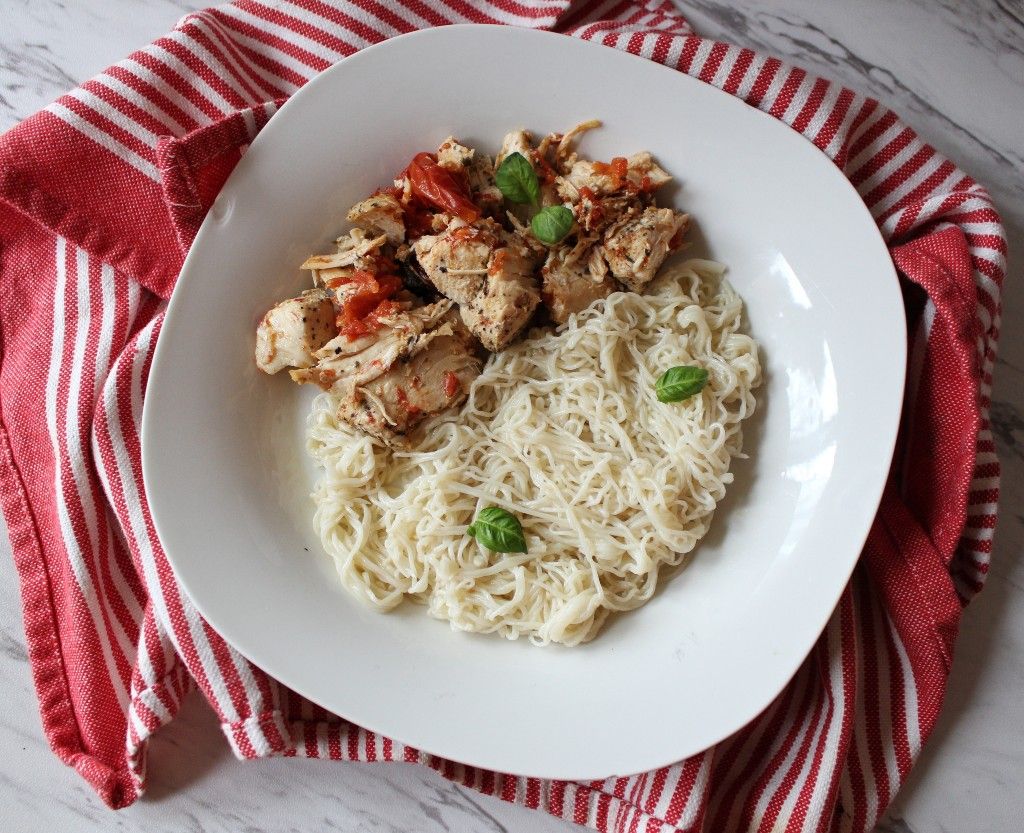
[(551, 224), (517, 180), (679, 383), (498, 530)]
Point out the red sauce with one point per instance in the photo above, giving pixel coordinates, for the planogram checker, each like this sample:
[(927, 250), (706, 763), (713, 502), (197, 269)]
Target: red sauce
[(451, 384), (596, 211), (677, 240), (645, 185), (615, 170), (497, 262), (463, 233), (545, 173), (390, 190), (403, 401), (362, 310)]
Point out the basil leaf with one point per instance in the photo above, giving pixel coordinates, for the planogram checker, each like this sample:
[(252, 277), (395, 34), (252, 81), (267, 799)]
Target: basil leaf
[(498, 530), (551, 224), (517, 180), (679, 383)]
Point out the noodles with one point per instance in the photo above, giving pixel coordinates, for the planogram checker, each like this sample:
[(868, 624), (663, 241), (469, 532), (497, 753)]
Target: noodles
[(562, 429)]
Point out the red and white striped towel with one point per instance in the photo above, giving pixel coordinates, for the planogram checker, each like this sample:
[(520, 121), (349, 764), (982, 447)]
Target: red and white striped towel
[(100, 196)]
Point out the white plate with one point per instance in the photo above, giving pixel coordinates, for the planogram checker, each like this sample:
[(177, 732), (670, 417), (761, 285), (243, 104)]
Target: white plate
[(229, 484)]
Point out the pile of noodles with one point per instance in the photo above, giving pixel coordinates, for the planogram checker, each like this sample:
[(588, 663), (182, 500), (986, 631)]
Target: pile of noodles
[(564, 430)]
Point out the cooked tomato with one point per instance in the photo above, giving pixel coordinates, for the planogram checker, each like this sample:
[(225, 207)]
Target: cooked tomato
[(440, 188), (361, 311), (392, 190), (406, 405), (451, 384), (417, 220), (497, 262), (616, 170)]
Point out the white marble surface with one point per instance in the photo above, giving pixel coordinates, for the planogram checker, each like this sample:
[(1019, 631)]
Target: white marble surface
[(956, 72)]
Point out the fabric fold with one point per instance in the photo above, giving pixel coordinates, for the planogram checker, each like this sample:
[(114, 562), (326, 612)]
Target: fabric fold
[(103, 192)]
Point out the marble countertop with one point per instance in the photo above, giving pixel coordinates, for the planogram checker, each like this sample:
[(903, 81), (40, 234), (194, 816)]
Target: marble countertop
[(957, 76)]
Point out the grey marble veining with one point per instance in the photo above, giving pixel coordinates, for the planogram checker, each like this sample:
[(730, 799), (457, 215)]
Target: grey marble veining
[(953, 70)]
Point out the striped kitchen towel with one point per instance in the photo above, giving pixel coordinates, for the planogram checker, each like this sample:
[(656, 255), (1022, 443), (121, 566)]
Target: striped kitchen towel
[(100, 196)]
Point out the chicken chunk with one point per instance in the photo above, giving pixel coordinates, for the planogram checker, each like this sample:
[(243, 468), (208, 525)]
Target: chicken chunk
[(503, 309), (380, 214), (434, 375), (292, 331), (342, 360), (455, 261), (518, 141), (488, 272), (453, 155), (419, 363), (635, 248), (569, 286), (644, 173)]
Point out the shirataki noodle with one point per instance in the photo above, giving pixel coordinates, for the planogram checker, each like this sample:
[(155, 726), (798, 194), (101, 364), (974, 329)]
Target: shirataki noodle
[(564, 430)]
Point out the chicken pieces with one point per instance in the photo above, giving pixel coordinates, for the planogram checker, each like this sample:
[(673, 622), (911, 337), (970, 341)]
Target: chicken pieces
[(570, 286), (430, 376), (380, 214), (292, 331), (391, 358), (488, 272), (421, 362), (635, 248)]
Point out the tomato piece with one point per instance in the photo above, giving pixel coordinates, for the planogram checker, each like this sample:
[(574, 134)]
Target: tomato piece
[(451, 384), (440, 188), (390, 190), (405, 404), (362, 310), (616, 170)]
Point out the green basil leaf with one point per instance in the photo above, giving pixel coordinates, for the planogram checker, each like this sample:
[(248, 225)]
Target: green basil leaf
[(517, 180), (498, 530), (679, 383), (551, 224)]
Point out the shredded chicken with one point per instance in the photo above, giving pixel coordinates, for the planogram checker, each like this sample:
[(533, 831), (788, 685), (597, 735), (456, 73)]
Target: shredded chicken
[(518, 141), (434, 374), (565, 155), (356, 250), (345, 360), (476, 167), (367, 331), (641, 175)]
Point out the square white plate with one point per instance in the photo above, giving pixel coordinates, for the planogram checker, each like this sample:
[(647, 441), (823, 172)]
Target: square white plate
[(228, 480)]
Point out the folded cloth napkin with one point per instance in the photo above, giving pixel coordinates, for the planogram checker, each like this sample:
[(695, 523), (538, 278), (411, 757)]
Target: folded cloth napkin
[(101, 194)]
